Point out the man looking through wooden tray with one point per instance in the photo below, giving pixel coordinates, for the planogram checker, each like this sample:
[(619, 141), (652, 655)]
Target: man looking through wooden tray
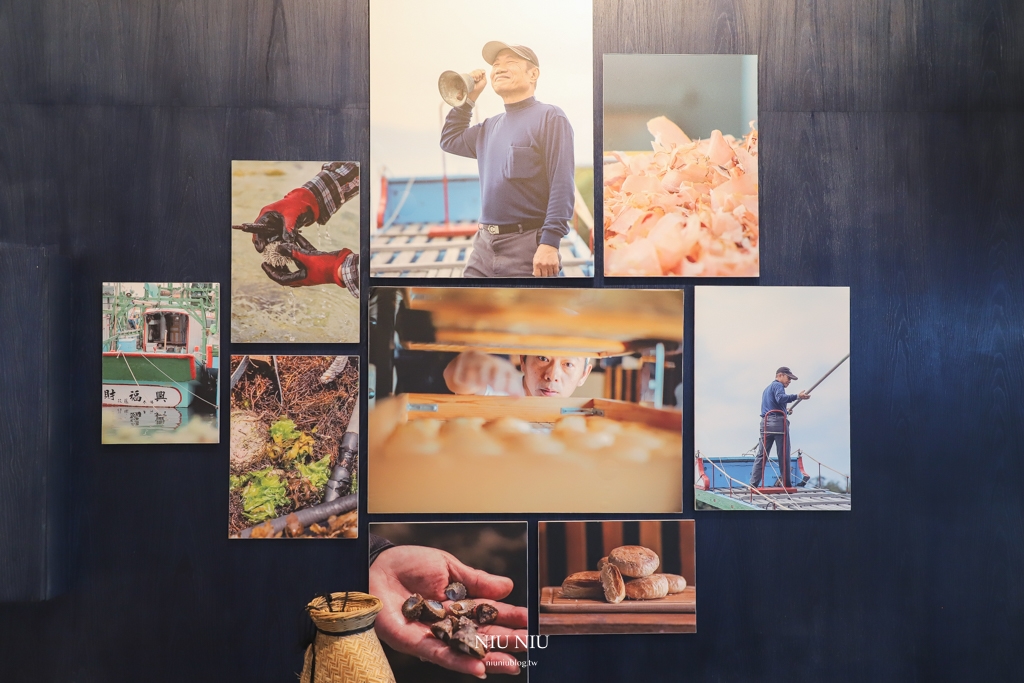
[(481, 374)]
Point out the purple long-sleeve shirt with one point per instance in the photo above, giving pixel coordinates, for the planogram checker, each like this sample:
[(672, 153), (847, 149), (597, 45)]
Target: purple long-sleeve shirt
[(525, 158)]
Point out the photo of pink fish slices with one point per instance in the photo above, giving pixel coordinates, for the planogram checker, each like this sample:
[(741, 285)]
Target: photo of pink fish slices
[(689, 208)]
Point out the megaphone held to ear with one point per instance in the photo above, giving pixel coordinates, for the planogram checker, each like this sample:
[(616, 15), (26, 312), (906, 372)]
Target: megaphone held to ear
[(455, 87)]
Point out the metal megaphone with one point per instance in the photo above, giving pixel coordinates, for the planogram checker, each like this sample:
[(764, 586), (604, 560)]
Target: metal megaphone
[(455, 87)]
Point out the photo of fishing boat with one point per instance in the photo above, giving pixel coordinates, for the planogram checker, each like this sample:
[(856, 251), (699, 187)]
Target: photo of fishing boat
[(160, 363), (771, 398)]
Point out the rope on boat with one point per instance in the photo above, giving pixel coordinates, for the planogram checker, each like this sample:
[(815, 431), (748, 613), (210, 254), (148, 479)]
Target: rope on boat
[(841, 474), (129, 366), (743, 484)]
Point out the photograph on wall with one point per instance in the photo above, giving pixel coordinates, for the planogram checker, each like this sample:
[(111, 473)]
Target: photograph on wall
[(295, 252), (680, 165), (454, 599), (481, 138), (294, 467), (548, 400), (614, 576), (161, 362), (771, 398)]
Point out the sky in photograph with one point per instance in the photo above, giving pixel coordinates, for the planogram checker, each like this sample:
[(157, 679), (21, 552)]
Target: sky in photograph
[(742, 336), (413, 42)]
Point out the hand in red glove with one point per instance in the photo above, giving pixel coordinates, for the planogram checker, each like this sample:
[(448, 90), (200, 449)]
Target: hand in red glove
[(278, 221), (317, 268)]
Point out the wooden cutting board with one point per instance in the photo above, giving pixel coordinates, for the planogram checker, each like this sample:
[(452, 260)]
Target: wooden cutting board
[(551, 600)]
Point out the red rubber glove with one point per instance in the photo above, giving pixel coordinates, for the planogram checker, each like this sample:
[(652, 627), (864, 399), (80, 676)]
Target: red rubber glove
[(279, 220), (317, 268)]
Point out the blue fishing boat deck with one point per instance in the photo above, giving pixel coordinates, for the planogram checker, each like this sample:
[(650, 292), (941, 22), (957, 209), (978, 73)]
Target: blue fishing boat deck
[(412, 208), (801, 499), (409, 251), (723, 483)]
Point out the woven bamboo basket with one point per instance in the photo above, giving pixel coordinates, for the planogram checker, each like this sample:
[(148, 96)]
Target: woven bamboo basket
[(346, 649)]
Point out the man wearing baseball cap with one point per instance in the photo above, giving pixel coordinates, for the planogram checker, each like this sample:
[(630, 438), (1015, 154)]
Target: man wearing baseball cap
[(774, 427), (526, 164)]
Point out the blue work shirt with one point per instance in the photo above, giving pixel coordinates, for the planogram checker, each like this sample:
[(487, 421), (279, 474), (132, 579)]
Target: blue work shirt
[(775, 397), (525, 158)]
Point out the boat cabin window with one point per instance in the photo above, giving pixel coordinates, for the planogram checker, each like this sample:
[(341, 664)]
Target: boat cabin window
[(167, 332)]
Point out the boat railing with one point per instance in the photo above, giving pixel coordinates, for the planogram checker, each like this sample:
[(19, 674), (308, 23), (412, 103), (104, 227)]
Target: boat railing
[(730, 479), (821, 464)]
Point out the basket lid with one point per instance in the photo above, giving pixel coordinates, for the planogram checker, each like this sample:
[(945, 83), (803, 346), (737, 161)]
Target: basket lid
[(344, 611)]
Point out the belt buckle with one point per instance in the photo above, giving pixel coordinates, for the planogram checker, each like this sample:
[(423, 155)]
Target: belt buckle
[(493, 229)]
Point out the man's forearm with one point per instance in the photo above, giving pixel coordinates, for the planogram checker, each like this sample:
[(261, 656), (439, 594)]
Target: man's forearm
[(456, 136), (334, 185), (561, 169)]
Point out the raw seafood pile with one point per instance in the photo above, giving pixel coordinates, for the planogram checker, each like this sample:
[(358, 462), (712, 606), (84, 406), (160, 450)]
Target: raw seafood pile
[(688, 208)]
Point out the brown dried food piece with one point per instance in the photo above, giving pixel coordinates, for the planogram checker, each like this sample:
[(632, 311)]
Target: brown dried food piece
[(634, 561), (344, 524), (648, 588), (462, 608), (465, 640), (676, 583), (442, 630), (612, 583), (265, 530), (455, 591), (432, 611), (413, 607), (583, 586), (486, 614), (602, 562), (293, 527)]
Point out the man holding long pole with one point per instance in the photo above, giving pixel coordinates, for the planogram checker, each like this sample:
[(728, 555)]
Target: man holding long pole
[(774, 426)]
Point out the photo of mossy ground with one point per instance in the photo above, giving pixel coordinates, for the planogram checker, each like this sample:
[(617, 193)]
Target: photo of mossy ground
[(288, 417)]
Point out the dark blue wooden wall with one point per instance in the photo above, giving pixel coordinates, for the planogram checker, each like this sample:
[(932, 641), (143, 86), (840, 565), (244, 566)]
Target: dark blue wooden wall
[(892, 136)]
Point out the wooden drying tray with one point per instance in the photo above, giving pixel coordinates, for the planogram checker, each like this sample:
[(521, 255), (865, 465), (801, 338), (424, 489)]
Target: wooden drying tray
[(551, 600), (535, 409), (552, 321), (512, 344), (671, 614)]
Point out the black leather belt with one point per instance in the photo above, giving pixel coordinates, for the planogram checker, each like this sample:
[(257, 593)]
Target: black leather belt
[(515, 227)]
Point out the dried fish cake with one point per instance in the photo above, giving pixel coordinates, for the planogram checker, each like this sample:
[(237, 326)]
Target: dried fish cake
[(650, 587), (462, 426), (583, 586), (508, 425), (634, 561), (571, 423), (603, 424), (416, 437)]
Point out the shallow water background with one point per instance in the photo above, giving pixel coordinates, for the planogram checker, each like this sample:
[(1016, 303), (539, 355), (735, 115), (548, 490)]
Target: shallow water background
[(264, 311), (195, 426)]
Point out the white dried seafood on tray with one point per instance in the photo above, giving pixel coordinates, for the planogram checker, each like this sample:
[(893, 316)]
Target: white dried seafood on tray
[(689, 208)]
